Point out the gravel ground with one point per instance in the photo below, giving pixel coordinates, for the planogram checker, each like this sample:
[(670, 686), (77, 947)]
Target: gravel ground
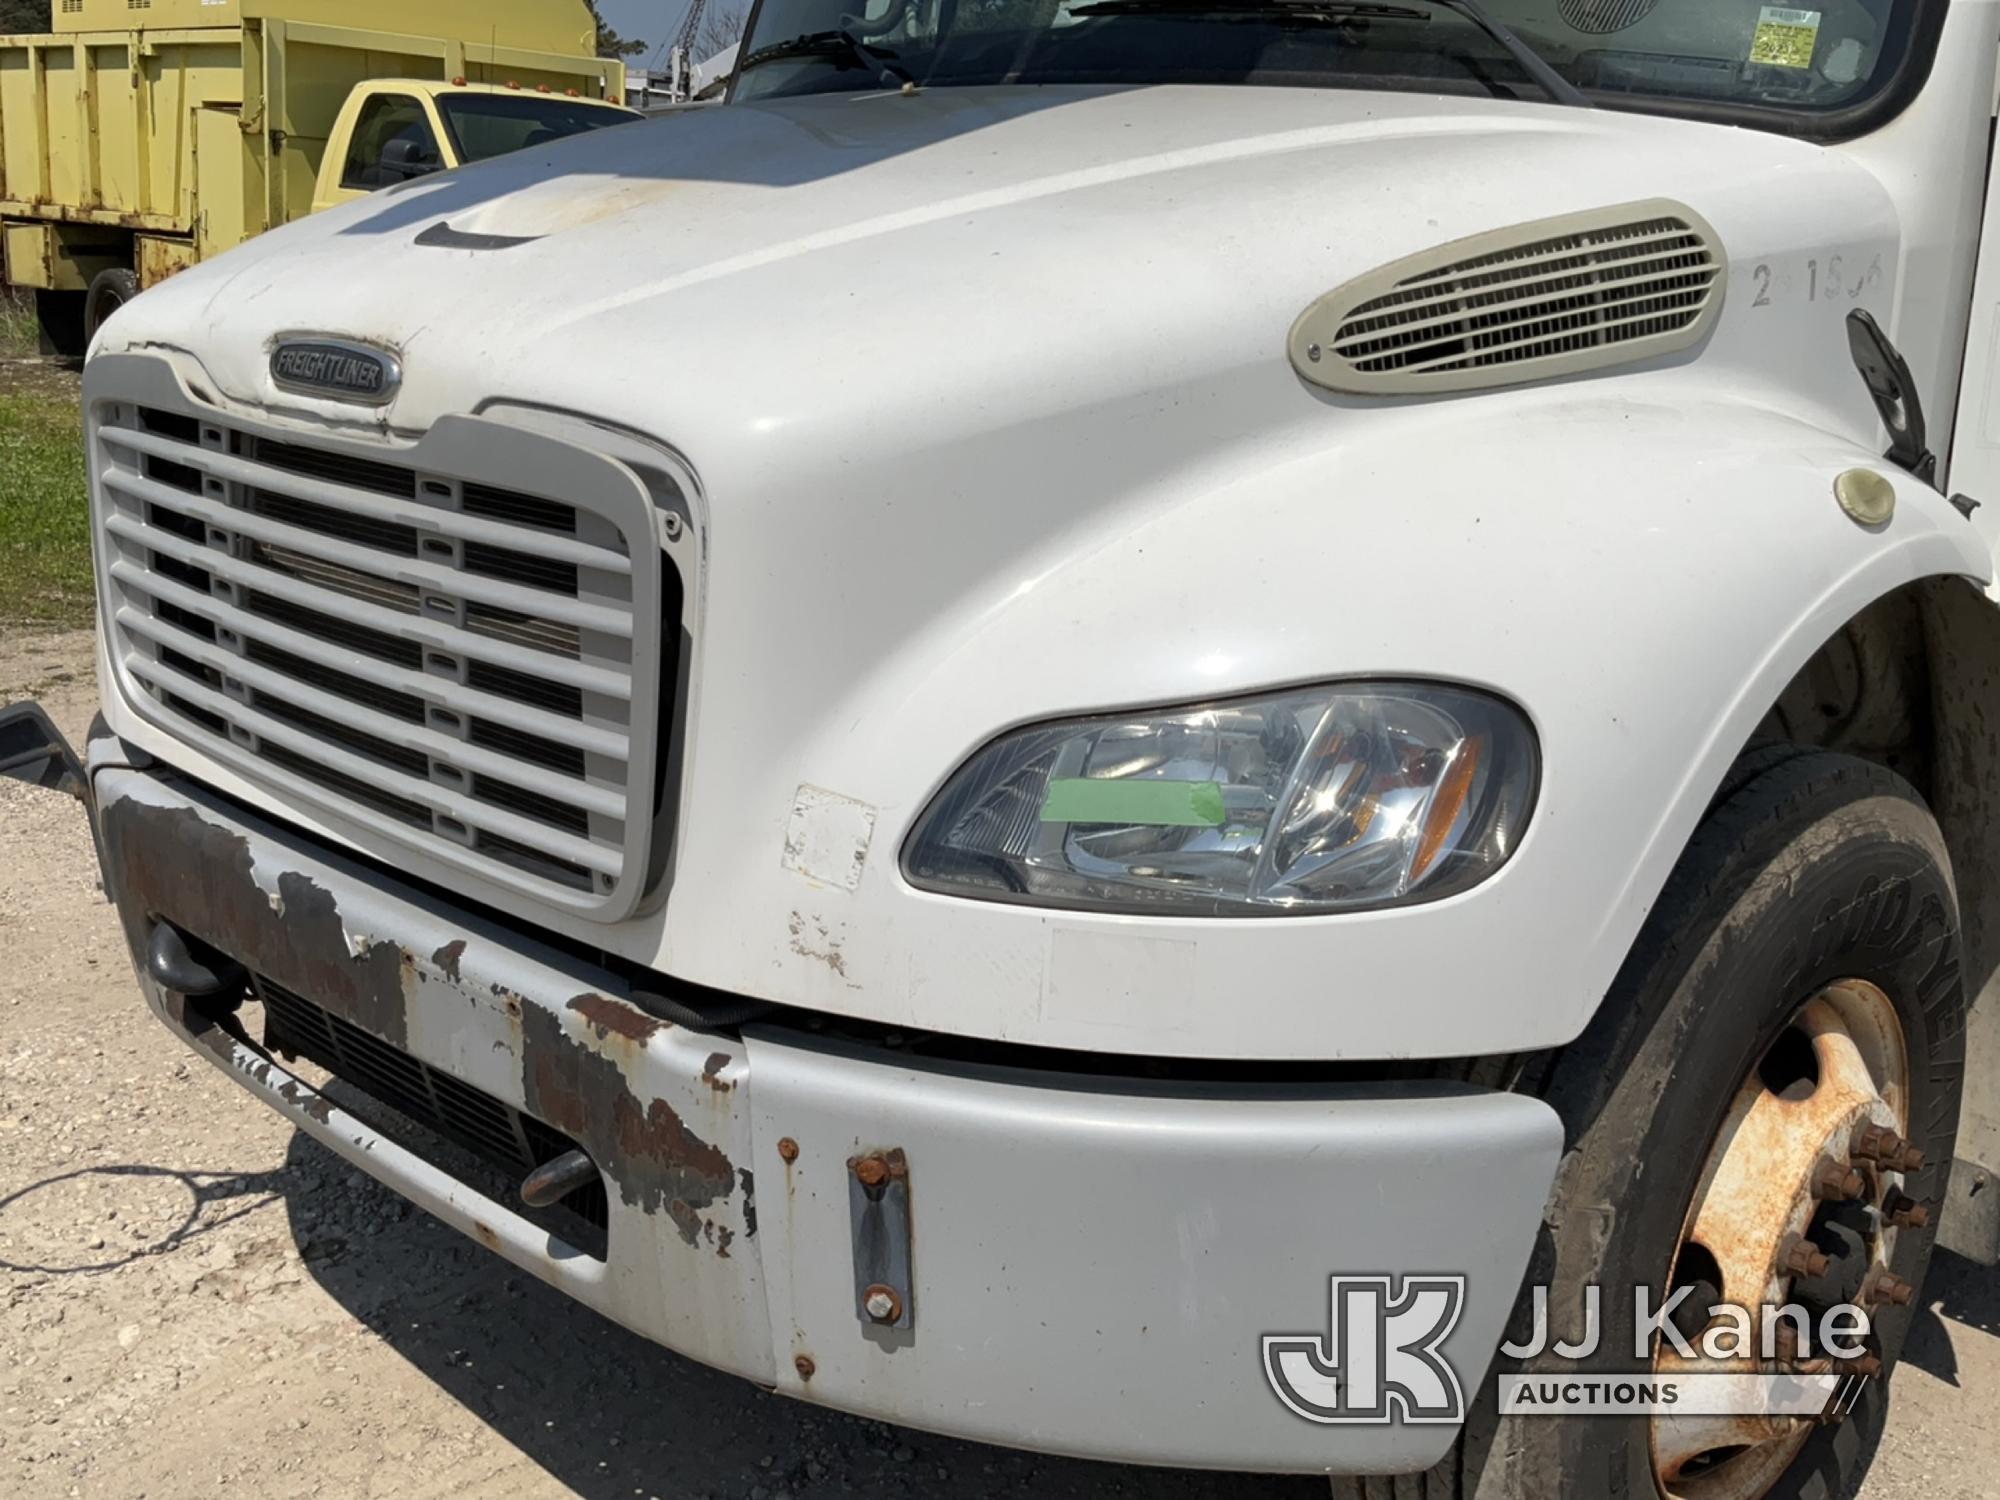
[(196, 1300)]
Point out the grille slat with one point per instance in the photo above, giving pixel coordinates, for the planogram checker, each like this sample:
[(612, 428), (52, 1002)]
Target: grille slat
[(366, 588), (348, 471), (447, 661), (309, 515), (522, 510), (490, 1130)]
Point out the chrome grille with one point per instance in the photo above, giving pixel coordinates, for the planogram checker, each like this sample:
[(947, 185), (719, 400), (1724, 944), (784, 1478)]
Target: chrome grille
[(422, 646)]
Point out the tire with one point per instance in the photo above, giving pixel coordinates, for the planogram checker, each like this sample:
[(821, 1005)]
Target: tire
[(109, 291), (1810, 868), (59, 322)]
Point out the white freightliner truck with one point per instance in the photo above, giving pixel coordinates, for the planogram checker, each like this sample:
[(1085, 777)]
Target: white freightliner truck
[(1272, 640)]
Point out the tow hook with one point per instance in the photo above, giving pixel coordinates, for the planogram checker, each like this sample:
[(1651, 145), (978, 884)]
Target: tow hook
[(555, 1180), (175, 968)]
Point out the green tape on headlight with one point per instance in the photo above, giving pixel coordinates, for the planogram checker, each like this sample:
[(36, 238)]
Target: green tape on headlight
[(1148, 804)]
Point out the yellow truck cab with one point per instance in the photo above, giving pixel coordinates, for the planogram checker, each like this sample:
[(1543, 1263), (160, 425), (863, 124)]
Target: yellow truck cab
[(394, 129), (137, 141)]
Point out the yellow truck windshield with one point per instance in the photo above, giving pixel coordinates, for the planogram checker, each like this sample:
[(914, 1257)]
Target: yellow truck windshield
[(484, 125)]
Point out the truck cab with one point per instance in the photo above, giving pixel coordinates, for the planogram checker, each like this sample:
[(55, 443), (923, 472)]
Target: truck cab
[(394, 130), (1280, 759), (137, 140)]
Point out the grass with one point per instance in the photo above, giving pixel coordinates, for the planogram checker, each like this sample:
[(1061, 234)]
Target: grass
[(17, 325), (44, 514)]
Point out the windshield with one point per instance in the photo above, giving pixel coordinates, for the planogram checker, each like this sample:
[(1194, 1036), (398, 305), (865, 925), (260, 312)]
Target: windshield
[(484, 125), (1816, 71)]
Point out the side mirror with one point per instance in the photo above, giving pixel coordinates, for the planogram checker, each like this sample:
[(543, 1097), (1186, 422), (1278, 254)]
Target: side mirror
[(408, 157), (33, 750)]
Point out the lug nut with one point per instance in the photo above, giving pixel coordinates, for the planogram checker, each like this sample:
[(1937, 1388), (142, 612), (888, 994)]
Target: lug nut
[(1883, 1286), (1803, 1258), (1912, 1160), (1834, 1182), (882, 1304), (1872, 1142), (1905, 1212)]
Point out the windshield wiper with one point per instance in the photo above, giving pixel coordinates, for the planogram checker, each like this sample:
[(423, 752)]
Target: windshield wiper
[(834, 44), (1537, 67)]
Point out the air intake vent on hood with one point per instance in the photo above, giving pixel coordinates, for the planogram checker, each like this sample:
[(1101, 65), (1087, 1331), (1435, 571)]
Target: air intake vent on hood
[(1555, 297)]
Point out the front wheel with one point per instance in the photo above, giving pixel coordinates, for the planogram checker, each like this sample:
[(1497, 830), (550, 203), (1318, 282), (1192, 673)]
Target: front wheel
[(1763, 1110)]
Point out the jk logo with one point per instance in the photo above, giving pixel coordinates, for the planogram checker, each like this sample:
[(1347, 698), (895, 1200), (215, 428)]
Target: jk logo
[(1379, 1361)]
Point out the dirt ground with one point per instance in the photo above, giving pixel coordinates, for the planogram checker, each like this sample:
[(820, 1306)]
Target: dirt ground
[(195, 1300)]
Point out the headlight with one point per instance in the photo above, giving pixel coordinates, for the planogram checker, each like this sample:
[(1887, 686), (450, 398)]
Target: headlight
[(1314, 800)]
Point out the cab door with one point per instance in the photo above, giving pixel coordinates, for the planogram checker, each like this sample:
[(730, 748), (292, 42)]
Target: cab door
[(385, 135)]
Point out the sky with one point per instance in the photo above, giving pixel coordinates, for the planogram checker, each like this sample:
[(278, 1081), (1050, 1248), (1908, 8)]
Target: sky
[(655, 20)]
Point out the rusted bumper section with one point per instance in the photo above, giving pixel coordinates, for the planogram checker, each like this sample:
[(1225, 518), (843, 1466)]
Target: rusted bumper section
[(1084, 1265), (655, 1106)]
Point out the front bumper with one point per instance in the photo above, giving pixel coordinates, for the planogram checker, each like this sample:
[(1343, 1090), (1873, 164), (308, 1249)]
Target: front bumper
[(1093, 1262)]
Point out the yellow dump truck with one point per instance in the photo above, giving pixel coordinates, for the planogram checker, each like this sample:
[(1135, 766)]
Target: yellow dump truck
[(143, 135)]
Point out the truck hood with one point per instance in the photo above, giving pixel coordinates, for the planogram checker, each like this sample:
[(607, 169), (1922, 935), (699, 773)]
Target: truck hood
[(989, 400), (1125, 236)]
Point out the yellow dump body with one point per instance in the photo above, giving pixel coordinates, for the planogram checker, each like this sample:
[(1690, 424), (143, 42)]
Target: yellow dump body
[(150, 133)]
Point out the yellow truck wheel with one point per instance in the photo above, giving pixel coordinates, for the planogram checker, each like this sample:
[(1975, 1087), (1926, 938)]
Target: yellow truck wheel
[(109, 291)]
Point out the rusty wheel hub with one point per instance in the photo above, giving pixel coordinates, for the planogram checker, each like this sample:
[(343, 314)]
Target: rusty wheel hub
[(1799, 1202)]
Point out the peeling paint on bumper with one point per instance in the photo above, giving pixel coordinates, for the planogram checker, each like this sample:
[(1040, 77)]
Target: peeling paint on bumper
[(1095, 1260)]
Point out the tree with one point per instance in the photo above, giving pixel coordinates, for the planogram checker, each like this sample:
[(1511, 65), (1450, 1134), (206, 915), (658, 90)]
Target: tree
[(721, 27), (609, 42), (18, 16)]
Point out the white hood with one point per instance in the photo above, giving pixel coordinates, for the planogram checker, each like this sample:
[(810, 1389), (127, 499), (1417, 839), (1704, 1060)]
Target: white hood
[(1082, 240)]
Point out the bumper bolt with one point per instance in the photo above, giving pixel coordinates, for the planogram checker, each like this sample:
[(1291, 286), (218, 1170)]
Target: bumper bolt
[(803, 1363), (1834, 1182), (788, 1149), (1883, 1286), (870, 1171), (882, 1304), (1905, 1212), (1802, 1257)]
